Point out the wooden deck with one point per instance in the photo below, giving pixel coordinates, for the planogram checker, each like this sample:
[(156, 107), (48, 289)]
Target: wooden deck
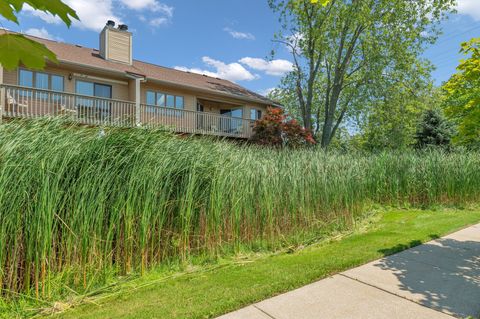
[(23, 102)]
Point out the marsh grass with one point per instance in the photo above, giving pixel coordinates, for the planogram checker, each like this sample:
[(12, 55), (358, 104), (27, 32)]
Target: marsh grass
[(77, 206)]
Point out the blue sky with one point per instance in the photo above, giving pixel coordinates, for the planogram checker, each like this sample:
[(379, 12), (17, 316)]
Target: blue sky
[(229, 39)]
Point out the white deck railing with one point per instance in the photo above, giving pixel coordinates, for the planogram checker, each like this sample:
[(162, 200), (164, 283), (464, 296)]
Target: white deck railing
[(24, 102)]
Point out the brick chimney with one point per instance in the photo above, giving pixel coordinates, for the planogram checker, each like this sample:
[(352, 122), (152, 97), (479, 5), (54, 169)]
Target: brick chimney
[(116, 43)]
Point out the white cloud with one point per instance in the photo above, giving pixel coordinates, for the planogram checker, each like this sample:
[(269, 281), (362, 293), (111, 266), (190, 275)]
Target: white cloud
[(93, 14), (239, 35), (469, 7), (41, 33), (150, 5), (273, 67), (158, 21), (42, 15), (232, 72), (196, 70), (165, 12)]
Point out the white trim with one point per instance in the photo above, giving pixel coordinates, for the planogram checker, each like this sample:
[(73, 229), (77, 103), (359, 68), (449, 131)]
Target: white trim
[(2, 94), (2, 102), (97, 78), (138, 118)]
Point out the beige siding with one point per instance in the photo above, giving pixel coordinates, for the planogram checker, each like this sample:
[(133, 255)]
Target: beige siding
[(131, 90), (10, 77), (119, 44), (116, 45)]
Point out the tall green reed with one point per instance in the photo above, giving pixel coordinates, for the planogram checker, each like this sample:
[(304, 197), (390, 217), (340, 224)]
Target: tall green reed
[(78, 203)]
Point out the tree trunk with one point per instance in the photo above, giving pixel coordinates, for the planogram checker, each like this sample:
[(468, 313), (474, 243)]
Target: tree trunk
[(328, 125)]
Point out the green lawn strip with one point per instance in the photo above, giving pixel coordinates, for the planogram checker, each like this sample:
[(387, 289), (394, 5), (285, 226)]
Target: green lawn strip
[(211, 293)]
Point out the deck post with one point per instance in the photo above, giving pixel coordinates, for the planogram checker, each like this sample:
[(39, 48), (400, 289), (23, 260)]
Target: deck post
[(2, 94), (2, 101), (138, 119)]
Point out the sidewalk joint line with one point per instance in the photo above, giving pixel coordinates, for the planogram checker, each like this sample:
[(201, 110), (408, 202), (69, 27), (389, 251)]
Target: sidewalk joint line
[(396, 295), (264, 312)]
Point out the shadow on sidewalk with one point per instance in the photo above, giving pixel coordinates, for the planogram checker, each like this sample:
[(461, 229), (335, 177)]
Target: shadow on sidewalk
[(442, 275)]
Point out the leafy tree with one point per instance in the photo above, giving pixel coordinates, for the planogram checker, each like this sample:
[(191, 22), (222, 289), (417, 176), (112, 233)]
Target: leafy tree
[(346, 46), (391, 116), (462, 96), (285, 94), (278, 130), (433, 130), (15, 49)]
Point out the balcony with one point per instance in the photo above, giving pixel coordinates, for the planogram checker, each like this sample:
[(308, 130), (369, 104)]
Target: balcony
[(24, 102)]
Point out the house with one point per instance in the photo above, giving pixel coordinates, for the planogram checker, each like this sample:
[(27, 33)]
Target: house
[(109, 87)]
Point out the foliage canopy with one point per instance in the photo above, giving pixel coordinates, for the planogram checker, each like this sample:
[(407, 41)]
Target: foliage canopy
[(15, 49), (344, 51), (433, 130), (462, 96)]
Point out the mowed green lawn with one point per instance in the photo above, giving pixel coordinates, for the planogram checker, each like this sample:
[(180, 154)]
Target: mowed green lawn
[(207, 294)]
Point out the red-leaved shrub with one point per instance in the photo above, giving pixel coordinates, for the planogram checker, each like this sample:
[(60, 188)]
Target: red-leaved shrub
[(275, 129)]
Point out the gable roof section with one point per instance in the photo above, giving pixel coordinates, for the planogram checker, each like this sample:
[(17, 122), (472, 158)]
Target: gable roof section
[(87, 57)]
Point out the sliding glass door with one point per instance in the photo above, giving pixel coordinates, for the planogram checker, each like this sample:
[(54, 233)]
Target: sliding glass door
[(233, 122), (97, 108)]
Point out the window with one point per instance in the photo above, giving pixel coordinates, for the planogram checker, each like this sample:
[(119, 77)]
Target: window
[(151, 98), (40, 80), (171, 101), (232, 120), (26, 78), (93, 89), (165, 100), (179, 102), (255, 114), (161, 100), (56, 83), (98, 107), (232, 113)]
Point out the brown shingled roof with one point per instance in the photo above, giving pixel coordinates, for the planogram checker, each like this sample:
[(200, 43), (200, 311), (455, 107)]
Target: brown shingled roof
[(75, 54)]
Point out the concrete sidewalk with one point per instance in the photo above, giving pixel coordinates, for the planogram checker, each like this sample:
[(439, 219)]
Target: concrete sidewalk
[(439, 279)]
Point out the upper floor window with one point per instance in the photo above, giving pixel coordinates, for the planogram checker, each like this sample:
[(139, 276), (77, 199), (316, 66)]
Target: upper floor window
[(41, 80), (255, 114), (165, 100)]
